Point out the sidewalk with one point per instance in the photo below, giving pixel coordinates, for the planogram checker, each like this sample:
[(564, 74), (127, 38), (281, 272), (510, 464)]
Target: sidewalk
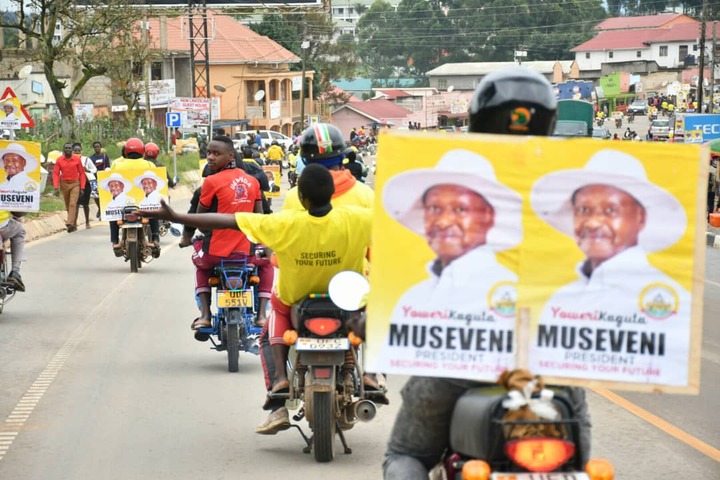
[(46, 226)]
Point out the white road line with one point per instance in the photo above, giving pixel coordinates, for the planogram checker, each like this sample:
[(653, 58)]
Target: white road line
[(26, 405)]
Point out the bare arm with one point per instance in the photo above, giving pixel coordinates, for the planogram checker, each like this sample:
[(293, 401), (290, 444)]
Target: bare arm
[(206, 221)]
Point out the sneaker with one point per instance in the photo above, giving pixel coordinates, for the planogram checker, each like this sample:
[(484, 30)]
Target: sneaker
[(277, 421), (16, 280)]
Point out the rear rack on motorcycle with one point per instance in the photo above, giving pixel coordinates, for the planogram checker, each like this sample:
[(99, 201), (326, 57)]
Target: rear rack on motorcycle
[(234, 272)]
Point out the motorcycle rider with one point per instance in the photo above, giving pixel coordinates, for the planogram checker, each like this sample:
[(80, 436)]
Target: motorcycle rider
[(133, 159), (421, 433), (152, 151), (322, 144), (318, 227)]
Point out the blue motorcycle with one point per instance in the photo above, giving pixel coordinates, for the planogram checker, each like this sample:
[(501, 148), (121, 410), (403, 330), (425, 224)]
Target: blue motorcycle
[(235, 285)]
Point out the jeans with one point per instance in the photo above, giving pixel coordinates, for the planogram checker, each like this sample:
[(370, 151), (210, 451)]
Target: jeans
[(15, 232), (421, 433)]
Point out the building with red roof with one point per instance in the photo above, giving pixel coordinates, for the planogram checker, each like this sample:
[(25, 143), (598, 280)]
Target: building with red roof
[(641, 45), (356, 114)]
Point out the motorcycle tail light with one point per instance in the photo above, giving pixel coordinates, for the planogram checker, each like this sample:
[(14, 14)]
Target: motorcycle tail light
[(323, 326), (475, 470), (131, 217), (213, 281), (600, 469), (539, 454), (322, 372)]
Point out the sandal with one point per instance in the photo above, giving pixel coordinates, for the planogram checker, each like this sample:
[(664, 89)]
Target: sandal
[(281, 387), (199, 323)]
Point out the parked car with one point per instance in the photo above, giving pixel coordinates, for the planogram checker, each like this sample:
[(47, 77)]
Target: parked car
[(639, 107), (660, 129), (601, 133), (268, 136)]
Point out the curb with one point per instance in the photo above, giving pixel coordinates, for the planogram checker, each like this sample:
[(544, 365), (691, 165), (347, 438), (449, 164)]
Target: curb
[(55, 223)]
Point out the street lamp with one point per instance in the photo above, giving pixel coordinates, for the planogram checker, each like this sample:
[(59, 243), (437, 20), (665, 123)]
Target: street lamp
[(305, 45)]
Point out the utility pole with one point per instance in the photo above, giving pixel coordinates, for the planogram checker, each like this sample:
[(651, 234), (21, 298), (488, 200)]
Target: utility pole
[(711, 103), (147, 70), (701, 63), (305, 45)]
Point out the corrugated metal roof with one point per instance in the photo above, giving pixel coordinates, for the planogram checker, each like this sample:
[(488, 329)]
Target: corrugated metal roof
[(642, 38), (378, 109), (645, 21), (483, 68), (233, 42)]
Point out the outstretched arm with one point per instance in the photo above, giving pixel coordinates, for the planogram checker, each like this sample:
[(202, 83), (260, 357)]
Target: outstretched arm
[(207, 221)]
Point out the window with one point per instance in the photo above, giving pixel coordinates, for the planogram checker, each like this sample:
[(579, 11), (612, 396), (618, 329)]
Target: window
[(638, 54), (587, 55), (610, 54), (682, 52), (156, 71), (442, 84), (663, 50), (340, 11), (695, 48)]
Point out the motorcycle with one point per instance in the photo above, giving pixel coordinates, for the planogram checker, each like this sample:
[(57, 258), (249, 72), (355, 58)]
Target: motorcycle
[(325, 367), (235, 282), (135, 239), (164, 227), (7, 289), (485, 440)]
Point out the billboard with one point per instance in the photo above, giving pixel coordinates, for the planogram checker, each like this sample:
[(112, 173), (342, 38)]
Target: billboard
[(709, 125)]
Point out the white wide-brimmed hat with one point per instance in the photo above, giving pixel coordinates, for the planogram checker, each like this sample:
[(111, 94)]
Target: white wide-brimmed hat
[(116, 177), (152, 175), (665, 223), (403, 194), (10, 103), (31, 162)]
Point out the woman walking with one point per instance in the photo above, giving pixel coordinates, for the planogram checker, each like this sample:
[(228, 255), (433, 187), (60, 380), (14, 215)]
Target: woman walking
[(69, 178)]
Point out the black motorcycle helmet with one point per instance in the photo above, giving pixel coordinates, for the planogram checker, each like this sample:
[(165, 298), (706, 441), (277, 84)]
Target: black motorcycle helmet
[(322, 143), (515, 101)]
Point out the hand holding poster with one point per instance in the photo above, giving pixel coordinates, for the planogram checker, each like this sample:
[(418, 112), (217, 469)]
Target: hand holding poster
[(142, 187), (598, 250), (19, 176)]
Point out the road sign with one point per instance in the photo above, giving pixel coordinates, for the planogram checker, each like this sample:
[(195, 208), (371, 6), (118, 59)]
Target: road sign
[(193, 130), (173, 119), (16, 118)]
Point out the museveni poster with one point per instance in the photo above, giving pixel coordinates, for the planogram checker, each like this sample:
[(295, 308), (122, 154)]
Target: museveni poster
[(578, 259), (143, 188)]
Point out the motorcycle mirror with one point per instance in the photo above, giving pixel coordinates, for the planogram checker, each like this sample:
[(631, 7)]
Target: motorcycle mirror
[(348, 290), (176, 229)]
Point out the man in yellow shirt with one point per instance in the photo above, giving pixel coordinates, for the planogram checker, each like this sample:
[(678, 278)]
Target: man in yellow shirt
[(303, 241), (275, 154)]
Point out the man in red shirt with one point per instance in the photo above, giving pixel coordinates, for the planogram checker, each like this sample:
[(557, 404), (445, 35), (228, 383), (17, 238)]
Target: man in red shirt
[(69, 177), (228, 190)]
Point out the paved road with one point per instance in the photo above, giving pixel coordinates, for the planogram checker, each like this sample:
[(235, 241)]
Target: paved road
[(101, 379)]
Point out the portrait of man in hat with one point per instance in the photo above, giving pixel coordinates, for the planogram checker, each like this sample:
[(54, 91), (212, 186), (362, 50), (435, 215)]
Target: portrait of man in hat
[(466, 216), (9, 111), (17, 162), (118, 186), (616, 216), (151, 184)]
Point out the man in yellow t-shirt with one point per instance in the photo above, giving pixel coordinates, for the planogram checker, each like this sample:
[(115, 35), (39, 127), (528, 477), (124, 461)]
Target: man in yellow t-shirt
[(275, 154), (311, 244)]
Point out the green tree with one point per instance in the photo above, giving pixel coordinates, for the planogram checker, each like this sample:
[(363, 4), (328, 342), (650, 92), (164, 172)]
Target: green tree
[(77, 34)]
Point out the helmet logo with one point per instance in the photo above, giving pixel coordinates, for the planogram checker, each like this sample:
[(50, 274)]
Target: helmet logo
[(519, 119), (324, 142)]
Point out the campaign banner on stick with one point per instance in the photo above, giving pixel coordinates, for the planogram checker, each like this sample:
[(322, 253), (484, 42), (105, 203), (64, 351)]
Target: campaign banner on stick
[(583, 268), (20, 176), (142, 187), (273, 176)]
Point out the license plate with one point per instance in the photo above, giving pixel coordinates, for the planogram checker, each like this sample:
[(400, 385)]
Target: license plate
[(235, 298), (540, 476), (322, 344)]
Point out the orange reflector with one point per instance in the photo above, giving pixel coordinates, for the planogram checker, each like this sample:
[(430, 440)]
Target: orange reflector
[(475, 470), (119, 222), (321, 372), (145, 220), (355, 341), (539, 454), (600, 469), (323, 325), (254, 280), (290, 337), (213, 281)]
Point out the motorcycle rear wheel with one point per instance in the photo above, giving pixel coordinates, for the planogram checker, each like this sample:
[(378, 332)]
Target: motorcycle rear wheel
[(323, 426), (233, 340), (134, 258)]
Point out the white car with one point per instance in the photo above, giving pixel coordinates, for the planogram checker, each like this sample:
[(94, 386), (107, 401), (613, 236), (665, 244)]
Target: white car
[(268, 136)]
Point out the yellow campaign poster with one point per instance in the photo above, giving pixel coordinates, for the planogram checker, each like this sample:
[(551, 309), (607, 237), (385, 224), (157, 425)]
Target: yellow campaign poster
[(142, 187), (19, 176), (273, 176), (577, 259)]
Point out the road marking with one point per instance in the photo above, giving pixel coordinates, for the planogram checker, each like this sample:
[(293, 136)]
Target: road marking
[(32, 396), (658, 422), (714, 284)]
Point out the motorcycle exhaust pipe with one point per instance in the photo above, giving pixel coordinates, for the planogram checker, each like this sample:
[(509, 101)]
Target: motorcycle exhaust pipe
[(364, 410)]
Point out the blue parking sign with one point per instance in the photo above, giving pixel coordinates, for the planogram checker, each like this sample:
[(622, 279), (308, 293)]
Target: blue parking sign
[(173, 119)]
